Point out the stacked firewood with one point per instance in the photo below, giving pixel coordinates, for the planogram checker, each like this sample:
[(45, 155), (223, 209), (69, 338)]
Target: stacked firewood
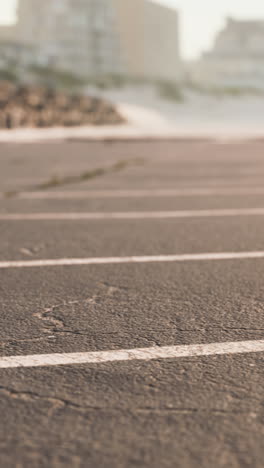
[(28, 106)]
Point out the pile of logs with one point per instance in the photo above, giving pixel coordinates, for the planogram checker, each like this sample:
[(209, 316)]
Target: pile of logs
[(27, 106)]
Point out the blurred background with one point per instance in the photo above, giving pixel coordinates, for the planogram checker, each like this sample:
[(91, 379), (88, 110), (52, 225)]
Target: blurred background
[(192, 64)]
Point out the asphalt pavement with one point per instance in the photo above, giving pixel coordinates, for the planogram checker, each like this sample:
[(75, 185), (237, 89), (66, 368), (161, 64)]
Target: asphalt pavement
[(149, 352)]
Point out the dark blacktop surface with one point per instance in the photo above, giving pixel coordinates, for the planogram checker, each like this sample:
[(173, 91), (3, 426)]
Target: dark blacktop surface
[(177, 413)]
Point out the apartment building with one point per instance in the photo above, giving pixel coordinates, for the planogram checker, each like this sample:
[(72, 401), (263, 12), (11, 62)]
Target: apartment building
[(139, 38), (149, 35), (74, 35), (236, 58)]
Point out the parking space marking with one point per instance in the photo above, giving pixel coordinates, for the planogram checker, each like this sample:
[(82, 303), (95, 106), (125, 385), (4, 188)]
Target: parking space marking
[(141, 193), (133, 259), (142, 354), (141, 215)]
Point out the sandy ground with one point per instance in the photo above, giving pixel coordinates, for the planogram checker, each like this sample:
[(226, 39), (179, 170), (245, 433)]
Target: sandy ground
[(149, 115), (196, 114)]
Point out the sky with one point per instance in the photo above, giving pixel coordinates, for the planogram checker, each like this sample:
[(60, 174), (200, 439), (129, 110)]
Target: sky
[(200, 19)]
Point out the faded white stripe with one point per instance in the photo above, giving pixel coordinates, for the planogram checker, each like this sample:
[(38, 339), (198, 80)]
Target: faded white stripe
[(132, 215), (133, 259), (144, 193), (144, 354)]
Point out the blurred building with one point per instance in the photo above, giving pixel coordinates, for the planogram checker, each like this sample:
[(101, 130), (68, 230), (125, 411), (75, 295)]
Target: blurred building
[(6, 32), (149, 35), (13, 52), (237, 57), (95, 37), (75, 35)]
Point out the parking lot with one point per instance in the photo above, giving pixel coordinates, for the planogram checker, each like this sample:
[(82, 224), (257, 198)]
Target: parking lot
[(132, 304)]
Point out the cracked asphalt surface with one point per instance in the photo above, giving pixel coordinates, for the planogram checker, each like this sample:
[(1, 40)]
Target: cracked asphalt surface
[(175, 413)]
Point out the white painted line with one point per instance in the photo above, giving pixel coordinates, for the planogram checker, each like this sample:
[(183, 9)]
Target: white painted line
[(134, 259), (144, 354), (142, 215), (142, 193)]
